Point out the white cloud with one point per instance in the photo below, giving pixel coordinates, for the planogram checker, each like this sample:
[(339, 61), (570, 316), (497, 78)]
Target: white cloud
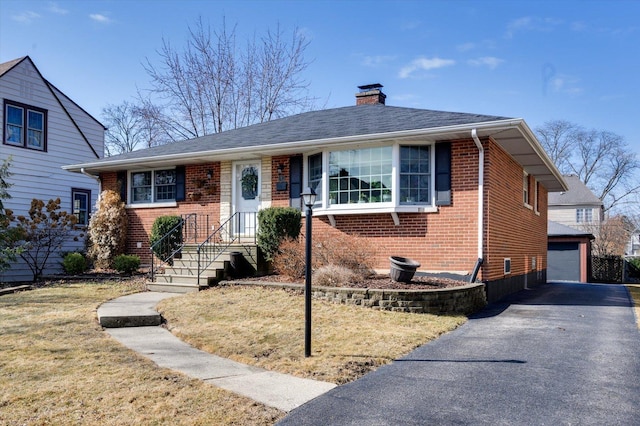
[(424, 64), (377, 60), (26, 17), (53, 7), (466, 47), (98, 17), (487, 61), (566, 84), (528, 23)]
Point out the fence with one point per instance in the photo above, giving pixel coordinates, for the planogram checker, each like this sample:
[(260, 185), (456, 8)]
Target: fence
[(607, 269)]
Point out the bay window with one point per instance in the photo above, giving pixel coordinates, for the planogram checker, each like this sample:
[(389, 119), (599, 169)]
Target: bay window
[(415, 175), (396, 177), (360, 176)]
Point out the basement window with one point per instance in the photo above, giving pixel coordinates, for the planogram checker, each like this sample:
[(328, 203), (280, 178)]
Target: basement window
[(507, 266)]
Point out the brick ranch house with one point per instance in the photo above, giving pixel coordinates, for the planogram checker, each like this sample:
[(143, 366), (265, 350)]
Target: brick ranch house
[(446, 189)]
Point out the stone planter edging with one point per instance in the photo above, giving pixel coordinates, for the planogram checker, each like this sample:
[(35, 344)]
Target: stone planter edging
[(465, 299)]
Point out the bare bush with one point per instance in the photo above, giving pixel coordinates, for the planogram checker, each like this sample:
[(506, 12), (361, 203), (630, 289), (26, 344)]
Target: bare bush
[(289, 259), (107, 229), (335, 276), (351, 252)]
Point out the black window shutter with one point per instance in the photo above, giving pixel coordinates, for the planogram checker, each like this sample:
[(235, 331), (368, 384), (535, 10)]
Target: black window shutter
[(121, 181), (295, 181), (443, 174), (180, 183)]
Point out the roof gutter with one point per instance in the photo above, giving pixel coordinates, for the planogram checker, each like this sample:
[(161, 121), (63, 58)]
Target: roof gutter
[(474, 135)]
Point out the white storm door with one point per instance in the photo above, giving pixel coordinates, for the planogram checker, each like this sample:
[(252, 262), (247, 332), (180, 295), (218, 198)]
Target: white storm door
[(247, 183)]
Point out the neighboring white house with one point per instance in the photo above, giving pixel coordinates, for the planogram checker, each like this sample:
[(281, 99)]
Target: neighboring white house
[(633, 247), (42, 130), (578, 207)]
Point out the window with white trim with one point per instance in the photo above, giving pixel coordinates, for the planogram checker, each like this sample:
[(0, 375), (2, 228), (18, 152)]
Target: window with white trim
[(360, 176), (25, 126), (507, 265), (584, 215), (415, 174), (81, 202), (315, 175), (153, 186), (525, 187), (390, 176)]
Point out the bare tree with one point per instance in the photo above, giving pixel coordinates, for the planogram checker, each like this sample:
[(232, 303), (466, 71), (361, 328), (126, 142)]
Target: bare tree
[(612, 236), (601, 159), (131, 126), (212, 85), (124, 132)]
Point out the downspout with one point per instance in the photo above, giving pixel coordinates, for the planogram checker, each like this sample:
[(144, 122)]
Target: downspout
[(476, 270), (84, 172)]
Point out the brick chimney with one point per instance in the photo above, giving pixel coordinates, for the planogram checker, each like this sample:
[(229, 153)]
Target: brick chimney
[(370, 94)]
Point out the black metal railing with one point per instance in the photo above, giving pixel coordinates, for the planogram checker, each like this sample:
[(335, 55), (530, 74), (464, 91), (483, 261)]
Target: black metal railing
[(240, 227), (171, 244)]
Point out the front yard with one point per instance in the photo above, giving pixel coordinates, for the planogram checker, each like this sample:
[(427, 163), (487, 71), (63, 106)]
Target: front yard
[(59, 367)]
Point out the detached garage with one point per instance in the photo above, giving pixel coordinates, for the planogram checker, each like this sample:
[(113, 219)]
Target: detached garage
[(568, 253)]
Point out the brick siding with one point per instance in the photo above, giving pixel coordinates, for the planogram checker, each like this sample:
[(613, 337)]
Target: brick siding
[(442, 241)]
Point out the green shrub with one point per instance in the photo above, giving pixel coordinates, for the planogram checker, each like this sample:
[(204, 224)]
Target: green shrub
[(275, 224), (162, 226), (126, 263), (74, 263)]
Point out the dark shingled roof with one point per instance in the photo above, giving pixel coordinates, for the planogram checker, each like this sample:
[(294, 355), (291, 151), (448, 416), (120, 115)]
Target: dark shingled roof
[(555, 229), (578, 194), (316, 125), (6, 66)]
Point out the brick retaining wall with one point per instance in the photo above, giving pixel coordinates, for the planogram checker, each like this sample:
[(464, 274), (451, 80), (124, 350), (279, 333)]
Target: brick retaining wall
[(459, 300)]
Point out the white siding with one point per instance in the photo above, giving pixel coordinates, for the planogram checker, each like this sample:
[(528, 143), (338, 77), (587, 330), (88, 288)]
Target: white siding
[(37, 174), (566, 215)]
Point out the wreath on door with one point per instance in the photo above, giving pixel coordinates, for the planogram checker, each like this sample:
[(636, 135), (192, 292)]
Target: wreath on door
[(249, 183)]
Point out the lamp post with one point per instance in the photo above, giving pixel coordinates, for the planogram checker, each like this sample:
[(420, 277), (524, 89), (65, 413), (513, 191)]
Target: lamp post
[(309, 199)]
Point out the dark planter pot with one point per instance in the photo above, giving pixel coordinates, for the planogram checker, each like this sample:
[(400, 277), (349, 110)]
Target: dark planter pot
[(402, 268)]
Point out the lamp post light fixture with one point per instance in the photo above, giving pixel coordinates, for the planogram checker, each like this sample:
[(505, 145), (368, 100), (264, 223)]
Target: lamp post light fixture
[(309, 199)]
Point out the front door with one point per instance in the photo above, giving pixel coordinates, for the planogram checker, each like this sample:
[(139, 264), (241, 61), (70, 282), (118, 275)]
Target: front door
[(246, 197)]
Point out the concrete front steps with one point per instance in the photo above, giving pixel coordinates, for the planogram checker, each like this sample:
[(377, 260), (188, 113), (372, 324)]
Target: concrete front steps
[(182, 276)]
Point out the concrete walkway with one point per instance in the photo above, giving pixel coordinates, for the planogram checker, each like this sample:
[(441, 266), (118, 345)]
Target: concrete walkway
[(561, 354), (137, 323)]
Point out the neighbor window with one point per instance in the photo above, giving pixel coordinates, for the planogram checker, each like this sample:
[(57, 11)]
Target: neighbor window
[(81, 201), (584, 215), (25, 126), (153, 186)]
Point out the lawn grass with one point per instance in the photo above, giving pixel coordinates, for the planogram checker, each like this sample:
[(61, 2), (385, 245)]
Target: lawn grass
[(57, 367), (634, 289), (265, 327)]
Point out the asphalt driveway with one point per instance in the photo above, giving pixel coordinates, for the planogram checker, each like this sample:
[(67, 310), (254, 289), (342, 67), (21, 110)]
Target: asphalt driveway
[(561, 354)]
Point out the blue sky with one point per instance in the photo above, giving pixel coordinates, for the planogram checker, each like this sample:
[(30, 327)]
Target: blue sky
[(538, 60)]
